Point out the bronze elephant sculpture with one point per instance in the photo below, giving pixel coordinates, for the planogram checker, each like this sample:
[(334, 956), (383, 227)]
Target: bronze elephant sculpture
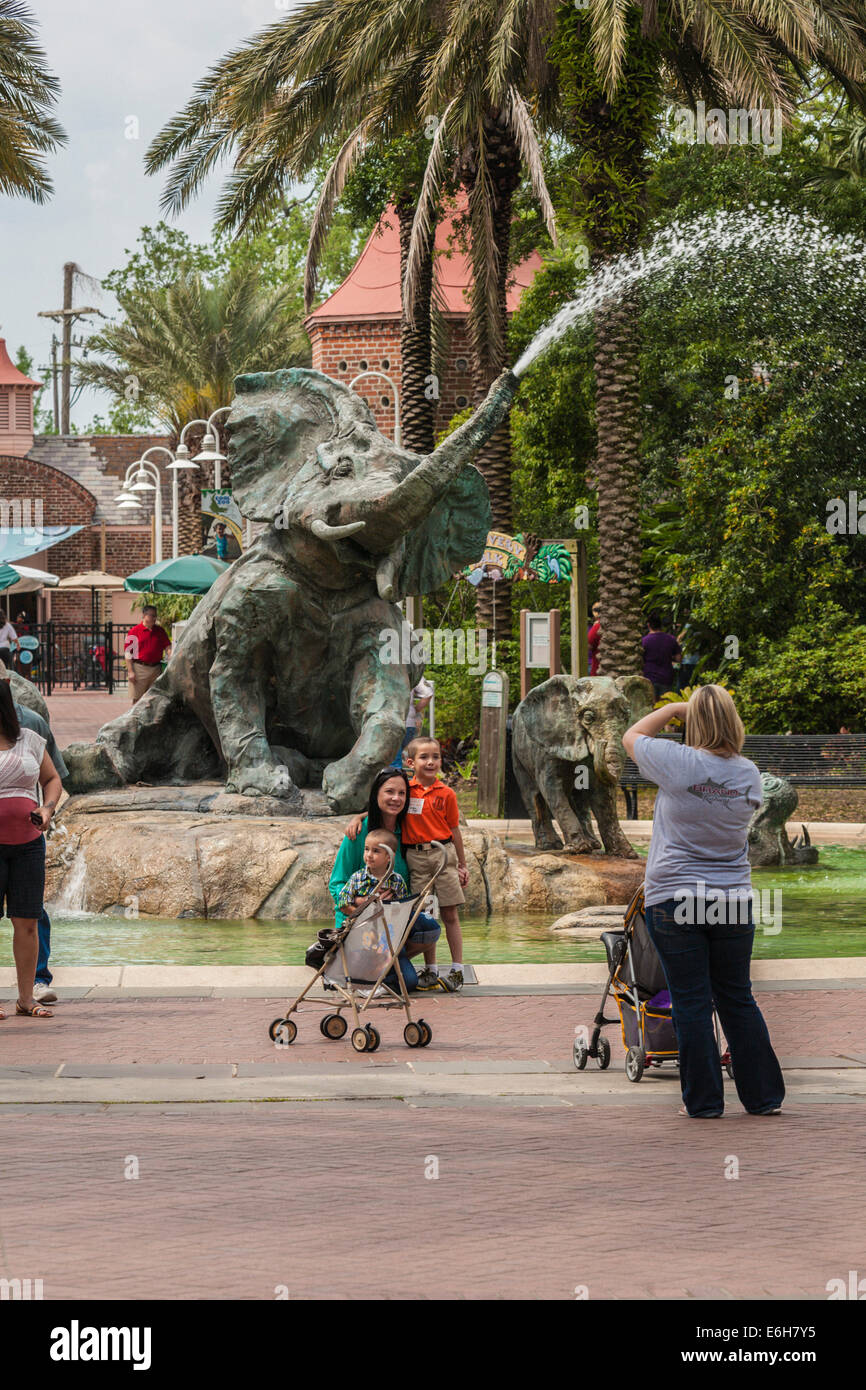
[(283, 676), (568, 757)]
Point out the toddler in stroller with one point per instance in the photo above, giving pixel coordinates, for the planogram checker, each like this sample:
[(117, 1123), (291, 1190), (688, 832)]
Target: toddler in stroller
[(637, 981), (363, 962)]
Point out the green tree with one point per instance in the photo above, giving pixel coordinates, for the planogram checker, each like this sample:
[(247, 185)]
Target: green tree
[(27, 92), (618, 62)]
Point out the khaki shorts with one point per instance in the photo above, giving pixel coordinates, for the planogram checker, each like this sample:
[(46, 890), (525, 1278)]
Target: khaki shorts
[(142, 679), (422, 861)]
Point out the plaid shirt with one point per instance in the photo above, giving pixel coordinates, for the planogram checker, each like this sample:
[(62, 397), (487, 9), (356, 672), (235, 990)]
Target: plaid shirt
[(362, 883)]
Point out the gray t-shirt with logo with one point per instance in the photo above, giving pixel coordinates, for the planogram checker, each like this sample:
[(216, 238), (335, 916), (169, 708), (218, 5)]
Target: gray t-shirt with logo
[(701, 818)]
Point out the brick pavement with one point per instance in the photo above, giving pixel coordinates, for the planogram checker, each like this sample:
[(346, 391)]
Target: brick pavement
[(332, 1201), (823, 1023), (77, 717)]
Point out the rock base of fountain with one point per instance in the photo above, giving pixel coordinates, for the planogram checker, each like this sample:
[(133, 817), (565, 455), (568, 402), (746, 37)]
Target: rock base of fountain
[(193, 851)]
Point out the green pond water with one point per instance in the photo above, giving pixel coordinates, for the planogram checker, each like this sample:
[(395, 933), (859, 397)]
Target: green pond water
[(821, 912)]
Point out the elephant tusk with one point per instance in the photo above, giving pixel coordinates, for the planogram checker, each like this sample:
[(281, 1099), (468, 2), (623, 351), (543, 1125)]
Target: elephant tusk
[(335, 533)]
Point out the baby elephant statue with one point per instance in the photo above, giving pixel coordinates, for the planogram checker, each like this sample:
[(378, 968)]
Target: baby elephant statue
[(285, 675), (568, 757)]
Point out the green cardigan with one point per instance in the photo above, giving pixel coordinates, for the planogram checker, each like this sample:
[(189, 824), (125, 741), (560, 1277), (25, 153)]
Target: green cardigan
[(350, 858)]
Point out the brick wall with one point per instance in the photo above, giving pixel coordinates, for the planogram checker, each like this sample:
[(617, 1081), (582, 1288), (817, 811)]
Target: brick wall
[(66, 503), (342, 350)]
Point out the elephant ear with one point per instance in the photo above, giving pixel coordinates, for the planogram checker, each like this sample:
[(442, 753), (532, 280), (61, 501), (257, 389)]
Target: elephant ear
[(639, 695), (550, 713), (453, 536), (277, 421)]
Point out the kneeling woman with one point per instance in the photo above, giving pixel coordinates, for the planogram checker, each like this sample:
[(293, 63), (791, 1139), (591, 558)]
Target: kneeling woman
[(388, 804), (24, 765), (698, 883)]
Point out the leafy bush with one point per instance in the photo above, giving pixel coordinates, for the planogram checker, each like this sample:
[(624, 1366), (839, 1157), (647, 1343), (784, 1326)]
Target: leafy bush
[(812, 681)]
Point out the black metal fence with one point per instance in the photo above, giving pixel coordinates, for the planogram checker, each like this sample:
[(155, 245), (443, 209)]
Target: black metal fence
[(72, 656)]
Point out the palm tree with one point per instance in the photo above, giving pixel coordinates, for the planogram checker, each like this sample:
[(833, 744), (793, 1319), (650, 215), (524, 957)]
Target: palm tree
[(279, 103), (377, 71), (183, 344), (27, 90), (617, 62)]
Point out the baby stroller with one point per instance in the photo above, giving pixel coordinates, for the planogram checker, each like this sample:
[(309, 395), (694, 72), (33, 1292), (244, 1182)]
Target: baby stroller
[(639, 988), (352, 963)]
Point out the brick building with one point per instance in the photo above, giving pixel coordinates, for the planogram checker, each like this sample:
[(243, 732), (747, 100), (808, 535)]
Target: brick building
[(357, 329), (50, 481)]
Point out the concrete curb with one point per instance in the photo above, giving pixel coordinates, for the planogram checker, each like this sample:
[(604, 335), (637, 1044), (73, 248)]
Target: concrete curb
[(281, 979)]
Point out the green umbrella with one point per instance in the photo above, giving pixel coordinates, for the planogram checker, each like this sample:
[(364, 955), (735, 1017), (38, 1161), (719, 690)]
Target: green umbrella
[(188, 574), (8, 577)]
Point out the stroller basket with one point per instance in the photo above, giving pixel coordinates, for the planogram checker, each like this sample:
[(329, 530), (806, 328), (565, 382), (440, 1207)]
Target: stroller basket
[(637, 982)]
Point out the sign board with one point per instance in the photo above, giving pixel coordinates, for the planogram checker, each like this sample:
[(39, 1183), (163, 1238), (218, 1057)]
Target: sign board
[(491, 744), (219, 509), (491, 691), (537, 639)]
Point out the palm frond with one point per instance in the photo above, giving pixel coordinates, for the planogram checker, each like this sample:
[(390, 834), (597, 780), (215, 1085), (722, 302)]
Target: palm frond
[(423, 224), (332, 188), (526, 139)]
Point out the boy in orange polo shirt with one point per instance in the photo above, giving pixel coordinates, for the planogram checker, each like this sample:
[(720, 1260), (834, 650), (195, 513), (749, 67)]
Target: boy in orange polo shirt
[(431, 820)]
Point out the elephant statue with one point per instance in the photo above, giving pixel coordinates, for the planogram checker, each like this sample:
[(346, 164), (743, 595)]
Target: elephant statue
[(285, 674), (769, 843), (568, 757)]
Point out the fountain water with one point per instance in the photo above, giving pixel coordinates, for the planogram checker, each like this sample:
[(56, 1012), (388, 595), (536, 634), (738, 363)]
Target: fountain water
[(73, 895), (709, 245)]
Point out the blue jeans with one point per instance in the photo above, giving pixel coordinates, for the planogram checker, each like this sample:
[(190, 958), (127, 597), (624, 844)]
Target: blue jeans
[(424, 933), (410, 733), (43, 928), (704, 965)]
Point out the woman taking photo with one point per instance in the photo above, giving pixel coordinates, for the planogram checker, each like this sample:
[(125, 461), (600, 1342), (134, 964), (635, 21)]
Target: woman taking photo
[(389, 801), (24, 765), (697, 893)]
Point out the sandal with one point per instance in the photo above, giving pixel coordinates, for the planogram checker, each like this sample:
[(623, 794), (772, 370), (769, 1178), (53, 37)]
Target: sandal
[(38, 1011)]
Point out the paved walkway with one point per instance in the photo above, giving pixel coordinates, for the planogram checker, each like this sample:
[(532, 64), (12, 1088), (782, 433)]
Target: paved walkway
[(482, 1166), (77, 718)]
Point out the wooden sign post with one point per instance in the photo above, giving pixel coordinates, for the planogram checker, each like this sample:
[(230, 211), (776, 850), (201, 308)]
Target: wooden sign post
[(491, 744)]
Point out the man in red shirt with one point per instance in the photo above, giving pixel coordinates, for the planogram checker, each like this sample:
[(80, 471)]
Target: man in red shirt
[(143, 650)]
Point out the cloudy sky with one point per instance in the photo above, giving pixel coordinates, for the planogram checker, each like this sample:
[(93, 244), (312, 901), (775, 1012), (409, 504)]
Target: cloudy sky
[(115, 60)]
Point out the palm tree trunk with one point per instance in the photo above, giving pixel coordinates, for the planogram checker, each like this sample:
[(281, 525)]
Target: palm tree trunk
[(416, 403), (489, 356), (617, 480)]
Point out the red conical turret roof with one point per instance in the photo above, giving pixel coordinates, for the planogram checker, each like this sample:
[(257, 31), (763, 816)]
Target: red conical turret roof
[(371, 290), (9, 373)]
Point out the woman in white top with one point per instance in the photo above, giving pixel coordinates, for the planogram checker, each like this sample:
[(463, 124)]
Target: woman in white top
[(8, 640), (24, 766), (698, 896)]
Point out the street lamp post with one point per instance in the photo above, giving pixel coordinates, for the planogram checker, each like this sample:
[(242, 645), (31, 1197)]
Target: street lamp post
[(394, 388)]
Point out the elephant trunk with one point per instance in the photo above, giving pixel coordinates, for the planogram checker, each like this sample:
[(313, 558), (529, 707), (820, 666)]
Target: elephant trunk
[(412, 500), (606, 761)]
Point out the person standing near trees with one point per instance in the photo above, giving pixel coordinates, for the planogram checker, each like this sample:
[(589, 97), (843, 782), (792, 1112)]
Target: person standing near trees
[(143, 651)]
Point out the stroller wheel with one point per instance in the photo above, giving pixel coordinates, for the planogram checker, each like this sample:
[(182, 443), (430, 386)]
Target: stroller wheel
[(333, 1026), (427, 1032), (603, 1058), (360, 1039), (579, 1053), (375, 1038), (283, 1031), (634, 1063), (412, 1035)]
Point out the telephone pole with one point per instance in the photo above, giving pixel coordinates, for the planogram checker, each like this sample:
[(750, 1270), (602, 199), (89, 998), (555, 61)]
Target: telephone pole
[(66, 317)]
